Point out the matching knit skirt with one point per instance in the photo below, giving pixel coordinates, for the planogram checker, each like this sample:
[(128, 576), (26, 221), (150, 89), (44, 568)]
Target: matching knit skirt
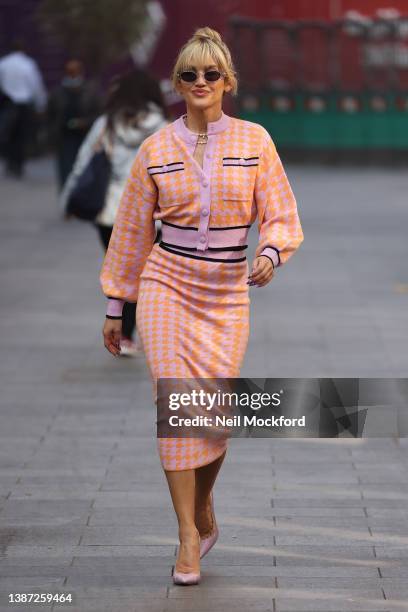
[(193, 319)]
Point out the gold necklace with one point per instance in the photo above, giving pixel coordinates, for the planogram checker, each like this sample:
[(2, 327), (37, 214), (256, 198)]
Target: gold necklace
[(201, 138)]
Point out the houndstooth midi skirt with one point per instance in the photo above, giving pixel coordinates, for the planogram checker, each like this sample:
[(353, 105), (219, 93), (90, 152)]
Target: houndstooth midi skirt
[(193, 319)]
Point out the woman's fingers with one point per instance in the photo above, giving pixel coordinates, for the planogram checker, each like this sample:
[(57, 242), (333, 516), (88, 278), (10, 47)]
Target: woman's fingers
[(262, 271), (111, 336), (114, 343)]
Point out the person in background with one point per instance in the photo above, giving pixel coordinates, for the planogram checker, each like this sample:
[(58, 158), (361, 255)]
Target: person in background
[(22, 92), (73, 106), (134, 110)]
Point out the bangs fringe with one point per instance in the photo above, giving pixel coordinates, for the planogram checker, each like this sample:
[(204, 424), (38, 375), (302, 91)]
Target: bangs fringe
[(202, 54)]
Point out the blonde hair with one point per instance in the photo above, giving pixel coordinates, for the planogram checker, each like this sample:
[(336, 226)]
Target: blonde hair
[(205, 43)]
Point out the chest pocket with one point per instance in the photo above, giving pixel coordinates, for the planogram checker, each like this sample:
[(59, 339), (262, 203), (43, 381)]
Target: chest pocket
[(173, 182), (239, 177)]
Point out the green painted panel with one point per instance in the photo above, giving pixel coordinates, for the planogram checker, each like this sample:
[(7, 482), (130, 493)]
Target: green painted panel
[(332, 128)]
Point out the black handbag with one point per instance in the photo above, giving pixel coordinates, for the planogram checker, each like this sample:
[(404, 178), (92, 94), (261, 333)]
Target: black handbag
[(88, 196)]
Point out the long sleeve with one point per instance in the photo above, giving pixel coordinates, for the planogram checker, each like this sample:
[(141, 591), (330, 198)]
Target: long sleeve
[(82, 159), (280, 231), (132, 237)]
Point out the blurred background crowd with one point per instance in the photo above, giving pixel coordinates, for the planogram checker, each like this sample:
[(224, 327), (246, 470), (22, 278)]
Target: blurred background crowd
[(326, 78), (327, 75)]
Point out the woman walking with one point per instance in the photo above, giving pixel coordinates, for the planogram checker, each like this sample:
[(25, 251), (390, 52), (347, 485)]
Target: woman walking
[(134, 110), (207, 177)]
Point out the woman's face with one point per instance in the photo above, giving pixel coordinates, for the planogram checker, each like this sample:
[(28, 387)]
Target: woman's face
[(202, 94)]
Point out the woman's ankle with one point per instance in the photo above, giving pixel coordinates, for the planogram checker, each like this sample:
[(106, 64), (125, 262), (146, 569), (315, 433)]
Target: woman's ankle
[(203, 517), (188, 532), (188, 559)]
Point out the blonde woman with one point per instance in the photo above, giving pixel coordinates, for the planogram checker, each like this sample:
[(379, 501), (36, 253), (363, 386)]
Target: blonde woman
[(207, 177)]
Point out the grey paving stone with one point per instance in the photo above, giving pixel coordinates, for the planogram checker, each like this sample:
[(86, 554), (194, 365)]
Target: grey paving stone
[(17, 584), (293, 571), (117, 499), (347, 583), (159, 551), (216, 605), (349, 554), (259, 586), (398, 593), (349, 538), (142, 584), (397, 569), (22, 606), (127, 535), (126, 572), (41, 507), (116, 593), (289, 604), (41, 571), (41, 535), (293, 513), (391, 552), (40, 521), (294, 523), (54, 490), (139, 604), (328, 502), (207, 591)]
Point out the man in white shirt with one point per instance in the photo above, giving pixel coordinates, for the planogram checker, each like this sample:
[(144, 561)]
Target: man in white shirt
[(21, 91)]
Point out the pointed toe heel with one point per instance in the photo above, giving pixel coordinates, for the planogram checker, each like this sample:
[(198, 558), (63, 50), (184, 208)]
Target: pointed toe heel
[(185, 579)]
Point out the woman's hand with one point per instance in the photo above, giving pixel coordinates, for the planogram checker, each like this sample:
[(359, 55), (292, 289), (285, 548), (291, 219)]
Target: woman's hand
[(262, 271), (112, 331)]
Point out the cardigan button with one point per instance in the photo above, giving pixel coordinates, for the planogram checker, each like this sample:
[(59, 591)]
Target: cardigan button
[(205, 211), (202, 239)]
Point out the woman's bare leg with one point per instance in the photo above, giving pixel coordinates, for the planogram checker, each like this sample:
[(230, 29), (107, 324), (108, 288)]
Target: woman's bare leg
[(182, 490), (205, 477)]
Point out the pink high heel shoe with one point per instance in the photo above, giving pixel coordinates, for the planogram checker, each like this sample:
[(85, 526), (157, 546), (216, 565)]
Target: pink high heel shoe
[(186, 578), (207, 543)]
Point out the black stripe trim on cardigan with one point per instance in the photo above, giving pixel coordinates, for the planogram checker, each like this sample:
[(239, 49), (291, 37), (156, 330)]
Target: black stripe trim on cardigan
[(167, 171), (112, 317), (180, 226), (216, 229), (231, 248), (239, 165), (212, 229), (246, 158), (113, 298), (203, 258), (172, 164)]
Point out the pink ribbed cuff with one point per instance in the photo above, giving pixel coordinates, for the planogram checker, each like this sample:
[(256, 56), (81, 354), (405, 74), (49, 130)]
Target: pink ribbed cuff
[(115, 307), (272, 254)]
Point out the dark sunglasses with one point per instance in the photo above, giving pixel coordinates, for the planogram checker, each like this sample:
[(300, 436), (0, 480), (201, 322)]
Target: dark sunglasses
[(189, 76)]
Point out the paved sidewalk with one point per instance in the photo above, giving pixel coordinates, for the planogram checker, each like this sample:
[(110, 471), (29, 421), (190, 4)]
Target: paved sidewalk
[(305, 525)]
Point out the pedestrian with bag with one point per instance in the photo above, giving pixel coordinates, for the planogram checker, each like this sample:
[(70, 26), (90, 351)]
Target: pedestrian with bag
[(134, 110)]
